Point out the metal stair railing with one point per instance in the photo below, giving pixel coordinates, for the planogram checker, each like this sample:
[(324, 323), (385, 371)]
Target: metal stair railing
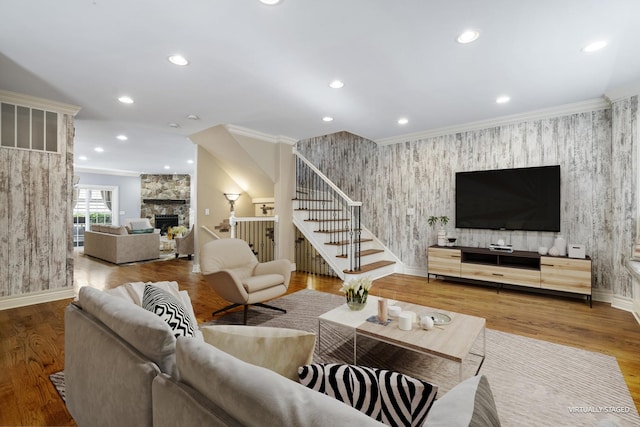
[(337, 215), (259, 232)]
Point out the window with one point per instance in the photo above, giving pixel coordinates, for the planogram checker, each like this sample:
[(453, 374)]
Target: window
[(28, 128), (93, 205)]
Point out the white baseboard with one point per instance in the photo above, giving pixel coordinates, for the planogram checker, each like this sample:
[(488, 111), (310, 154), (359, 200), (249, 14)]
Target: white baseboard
[(635, 310), (602, 295), (36, 298), (415, 271)]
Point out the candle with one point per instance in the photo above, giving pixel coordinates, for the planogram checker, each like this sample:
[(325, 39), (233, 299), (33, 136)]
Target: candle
[(394, 310), (382, 310), (405, 321)]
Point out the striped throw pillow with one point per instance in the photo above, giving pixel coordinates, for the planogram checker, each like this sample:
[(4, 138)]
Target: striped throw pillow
[(171, 310), (386, 396)]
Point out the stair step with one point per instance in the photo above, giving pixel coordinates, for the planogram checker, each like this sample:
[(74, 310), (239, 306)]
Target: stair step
[(364, 253), (370, 267), (346, 242), (327, 220), (338, 230)]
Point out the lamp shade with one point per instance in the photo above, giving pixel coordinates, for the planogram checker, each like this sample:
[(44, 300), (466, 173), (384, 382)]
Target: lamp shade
[(232, 197)]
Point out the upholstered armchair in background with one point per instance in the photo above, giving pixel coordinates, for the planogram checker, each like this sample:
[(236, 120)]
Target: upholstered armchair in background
[(185, 245), (233, 271)]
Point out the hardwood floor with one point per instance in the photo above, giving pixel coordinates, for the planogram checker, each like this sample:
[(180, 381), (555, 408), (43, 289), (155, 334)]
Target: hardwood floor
[(32, 338)]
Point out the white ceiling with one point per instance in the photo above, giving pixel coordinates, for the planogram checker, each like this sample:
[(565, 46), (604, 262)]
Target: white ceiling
[(267, 68)]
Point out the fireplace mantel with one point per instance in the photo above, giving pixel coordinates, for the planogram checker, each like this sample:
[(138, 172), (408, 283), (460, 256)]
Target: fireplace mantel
[(164, 201)]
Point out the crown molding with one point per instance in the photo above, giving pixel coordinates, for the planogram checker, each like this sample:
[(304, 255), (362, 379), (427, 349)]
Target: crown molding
[(562, 110), (107, 171), (623, 92), (34, 102), (274, 139)]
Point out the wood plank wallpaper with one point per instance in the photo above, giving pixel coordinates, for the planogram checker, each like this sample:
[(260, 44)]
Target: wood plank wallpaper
[(36, 252), (595, 150)]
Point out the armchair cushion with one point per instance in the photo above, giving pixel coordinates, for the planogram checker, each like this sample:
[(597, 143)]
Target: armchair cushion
[(387, 396), (258, 283), (278, 349)]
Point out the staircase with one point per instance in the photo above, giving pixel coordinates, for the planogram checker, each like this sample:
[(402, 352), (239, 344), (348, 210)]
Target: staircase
[(330, 221)]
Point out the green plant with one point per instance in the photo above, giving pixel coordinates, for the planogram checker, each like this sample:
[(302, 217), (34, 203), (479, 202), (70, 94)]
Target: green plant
[(433, 220)]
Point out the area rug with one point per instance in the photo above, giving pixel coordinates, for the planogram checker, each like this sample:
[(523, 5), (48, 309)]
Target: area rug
[(534, 382)]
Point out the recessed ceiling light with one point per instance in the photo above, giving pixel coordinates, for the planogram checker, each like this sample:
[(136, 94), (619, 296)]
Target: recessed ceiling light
[(98, 149), (327, 119), (403, 121), (82, 158), (178, 60), (126, 100), (193, 117), (336, 84), (592, 47), (122, 137), (270, 2), (502, 99), (167, 167), (190, 161), (468, 36), (174, 125)]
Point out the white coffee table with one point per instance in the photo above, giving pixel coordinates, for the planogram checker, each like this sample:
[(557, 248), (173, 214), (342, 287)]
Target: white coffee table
[(453, 341)]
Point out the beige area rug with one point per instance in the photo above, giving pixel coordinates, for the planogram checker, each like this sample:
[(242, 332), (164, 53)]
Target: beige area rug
[(535, 383)]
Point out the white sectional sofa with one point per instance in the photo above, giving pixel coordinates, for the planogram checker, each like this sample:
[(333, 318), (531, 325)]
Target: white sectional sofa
[(124, 366)]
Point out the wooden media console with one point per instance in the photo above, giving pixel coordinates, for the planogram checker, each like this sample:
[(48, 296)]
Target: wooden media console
[(519, 268)]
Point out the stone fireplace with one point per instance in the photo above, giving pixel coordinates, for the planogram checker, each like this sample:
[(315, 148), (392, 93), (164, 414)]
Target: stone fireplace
[(167, 197)]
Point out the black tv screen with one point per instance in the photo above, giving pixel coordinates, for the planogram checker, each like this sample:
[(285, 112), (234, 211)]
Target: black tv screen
[(509, 199)]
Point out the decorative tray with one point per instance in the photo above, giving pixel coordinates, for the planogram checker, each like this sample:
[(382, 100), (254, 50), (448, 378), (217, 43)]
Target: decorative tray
[(439, 318)]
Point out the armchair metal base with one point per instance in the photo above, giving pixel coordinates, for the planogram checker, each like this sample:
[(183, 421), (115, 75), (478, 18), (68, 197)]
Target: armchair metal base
[(246, 309)]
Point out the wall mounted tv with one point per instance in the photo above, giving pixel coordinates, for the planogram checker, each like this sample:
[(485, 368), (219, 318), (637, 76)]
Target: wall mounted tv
[(509, 199)]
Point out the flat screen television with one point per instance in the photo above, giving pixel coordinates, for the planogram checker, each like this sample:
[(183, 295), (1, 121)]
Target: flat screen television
[(509, 199)]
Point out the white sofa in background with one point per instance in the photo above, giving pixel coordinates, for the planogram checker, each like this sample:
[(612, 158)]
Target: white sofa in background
[(114, 244)]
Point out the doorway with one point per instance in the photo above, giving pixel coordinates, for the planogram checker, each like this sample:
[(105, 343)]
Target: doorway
[(93, 204)]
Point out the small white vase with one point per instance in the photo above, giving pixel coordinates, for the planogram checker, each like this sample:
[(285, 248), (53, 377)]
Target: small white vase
[(442, 237), (561, 244)]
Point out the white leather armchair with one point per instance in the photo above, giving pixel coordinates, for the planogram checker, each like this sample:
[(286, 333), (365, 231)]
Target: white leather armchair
[(232, 269)]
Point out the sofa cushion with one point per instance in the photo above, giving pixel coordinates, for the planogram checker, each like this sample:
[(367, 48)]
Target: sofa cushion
[(470, 403), (140, 224), (133, 292), (278, 349), (170, 309), (256, 396), (387, 396), (142, 329)]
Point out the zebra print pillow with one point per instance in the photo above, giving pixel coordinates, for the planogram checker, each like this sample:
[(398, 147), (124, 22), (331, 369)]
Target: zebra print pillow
[(171, 310), (386, 396)]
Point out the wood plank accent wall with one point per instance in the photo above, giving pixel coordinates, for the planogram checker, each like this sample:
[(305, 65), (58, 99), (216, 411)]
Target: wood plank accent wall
[(594, 149), (36, 251)]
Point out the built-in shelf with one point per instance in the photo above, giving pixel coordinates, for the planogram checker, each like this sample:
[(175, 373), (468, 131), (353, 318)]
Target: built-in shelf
[(164, 201)]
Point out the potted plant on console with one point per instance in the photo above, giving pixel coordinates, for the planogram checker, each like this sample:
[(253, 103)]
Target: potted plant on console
[(442, 233)]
